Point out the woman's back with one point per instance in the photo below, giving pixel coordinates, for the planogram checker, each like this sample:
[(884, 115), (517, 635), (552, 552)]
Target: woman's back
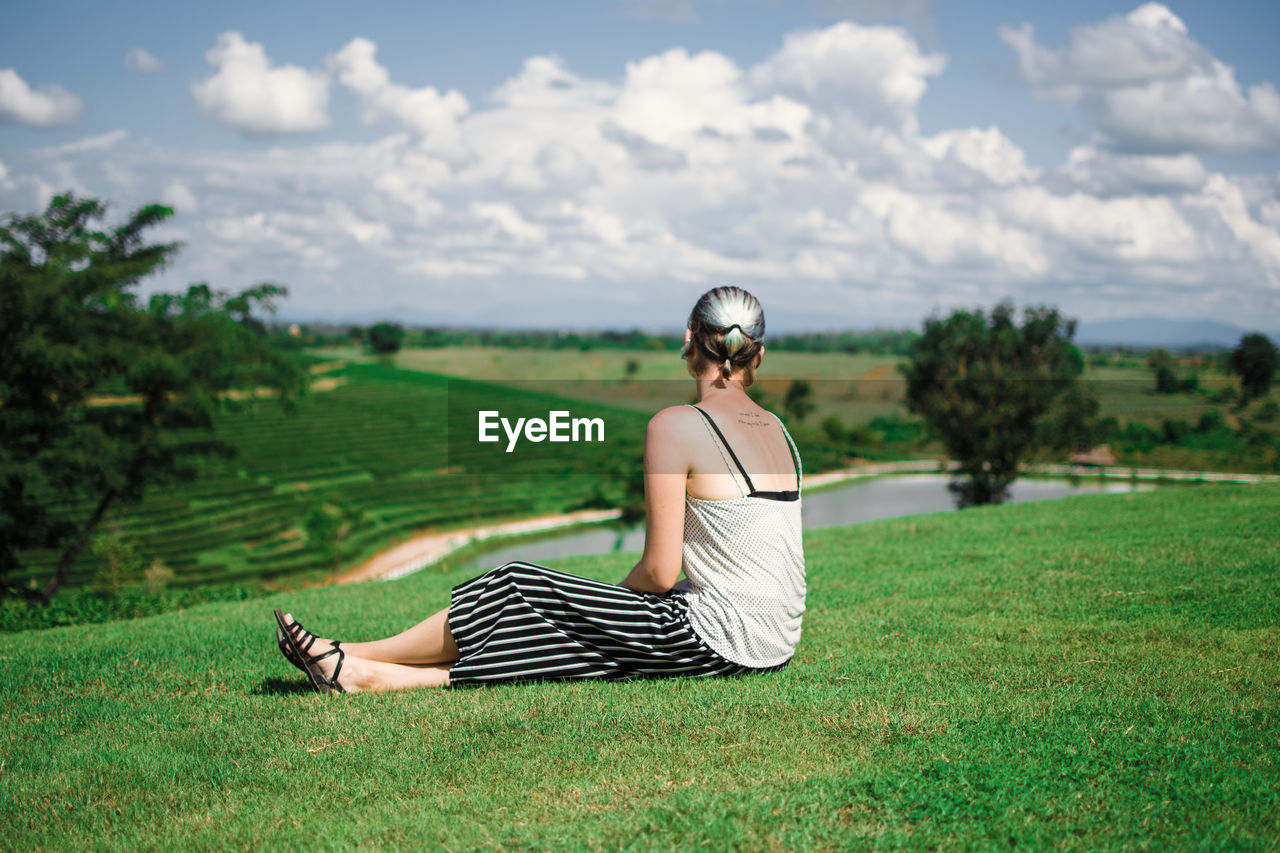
[(743, 558), (737, 427)]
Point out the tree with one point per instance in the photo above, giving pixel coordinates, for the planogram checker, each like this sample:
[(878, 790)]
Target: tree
[(1166, 380), (386, 337), (798, 402), (994, 390), (327, 527), (1159, 357), (72, 329), (1164, 366), (1254, 360)]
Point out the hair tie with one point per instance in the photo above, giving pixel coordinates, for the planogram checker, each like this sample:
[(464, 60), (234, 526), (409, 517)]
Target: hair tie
[(735, 326)]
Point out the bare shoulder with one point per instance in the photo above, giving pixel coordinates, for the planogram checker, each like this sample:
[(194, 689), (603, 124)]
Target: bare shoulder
[(673, 421)]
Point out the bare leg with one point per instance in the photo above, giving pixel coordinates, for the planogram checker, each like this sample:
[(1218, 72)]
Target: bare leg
[(359, 674), (428, 642)]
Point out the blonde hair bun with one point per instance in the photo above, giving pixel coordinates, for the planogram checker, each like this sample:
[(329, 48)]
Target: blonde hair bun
[(726, 328)]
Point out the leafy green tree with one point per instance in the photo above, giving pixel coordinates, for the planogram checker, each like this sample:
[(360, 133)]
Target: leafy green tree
[(833, 429), (1254, 360), (760, 397), (71, 330), (1159, 357), (327, 527), (1166, 380), (386, 337), (1165, 368), (798, 402), (995, 389)]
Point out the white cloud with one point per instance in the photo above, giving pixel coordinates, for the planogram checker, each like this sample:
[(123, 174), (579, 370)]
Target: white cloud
[(424, 111), (988, 152), (48, 106), (1105, 173), (1149, 87), (945, 232), (510, 224), (97, 142), (141, 60), (1227, 202), (247, 93), (673, 95), (1130, 230), (877, 73), (178, 195), (568, 200)]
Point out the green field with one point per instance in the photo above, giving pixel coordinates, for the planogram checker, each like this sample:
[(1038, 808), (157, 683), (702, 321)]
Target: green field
[(1091, 673), (858, 388), (855, 388), (376, 444)]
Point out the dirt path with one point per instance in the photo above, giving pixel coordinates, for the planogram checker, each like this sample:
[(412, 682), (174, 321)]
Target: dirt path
[(884, 371), (420, 551)]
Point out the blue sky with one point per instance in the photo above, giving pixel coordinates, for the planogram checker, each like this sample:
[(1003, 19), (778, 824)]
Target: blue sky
[(853, 162)]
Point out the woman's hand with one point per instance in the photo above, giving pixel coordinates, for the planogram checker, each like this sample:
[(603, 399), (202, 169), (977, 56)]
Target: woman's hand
[(666, 470)]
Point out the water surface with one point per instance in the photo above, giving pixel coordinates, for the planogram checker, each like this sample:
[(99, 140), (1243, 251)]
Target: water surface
[(860, 500)]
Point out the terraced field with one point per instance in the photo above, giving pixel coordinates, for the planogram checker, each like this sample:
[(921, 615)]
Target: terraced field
[(376, 446)]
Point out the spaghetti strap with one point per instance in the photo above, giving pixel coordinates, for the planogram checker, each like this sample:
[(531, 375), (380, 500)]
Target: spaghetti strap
[(755, 493), (724, 441), (795, 451)]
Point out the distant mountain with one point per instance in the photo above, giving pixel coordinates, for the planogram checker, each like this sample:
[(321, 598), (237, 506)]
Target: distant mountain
[(1146, 332)]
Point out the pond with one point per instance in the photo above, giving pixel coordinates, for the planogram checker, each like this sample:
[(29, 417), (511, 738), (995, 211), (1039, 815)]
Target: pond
[(860, 500)]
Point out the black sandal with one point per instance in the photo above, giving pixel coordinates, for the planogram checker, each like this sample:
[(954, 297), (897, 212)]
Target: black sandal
[(293, 637), (287, 651)]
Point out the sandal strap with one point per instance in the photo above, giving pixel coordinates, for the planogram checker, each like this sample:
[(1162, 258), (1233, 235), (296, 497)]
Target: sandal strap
[(302, 657), (298, 632), (333, 651), (333, 679)]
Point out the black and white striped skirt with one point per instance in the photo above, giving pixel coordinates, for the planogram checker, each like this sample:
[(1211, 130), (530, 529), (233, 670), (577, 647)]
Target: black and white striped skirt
[(525, 622)]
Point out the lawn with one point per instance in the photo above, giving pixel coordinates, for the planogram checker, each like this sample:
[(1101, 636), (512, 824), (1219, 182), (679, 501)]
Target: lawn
[(1091, 673)]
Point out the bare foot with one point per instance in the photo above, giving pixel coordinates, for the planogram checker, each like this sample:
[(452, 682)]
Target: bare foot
[(321, 656)]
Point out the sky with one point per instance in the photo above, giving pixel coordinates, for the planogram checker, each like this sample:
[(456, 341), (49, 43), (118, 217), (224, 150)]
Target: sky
[(853, 163)]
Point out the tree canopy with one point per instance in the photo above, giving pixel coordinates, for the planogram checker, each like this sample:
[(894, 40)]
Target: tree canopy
[(386, 337), (101, 395), (993, 389), (1254, 360)]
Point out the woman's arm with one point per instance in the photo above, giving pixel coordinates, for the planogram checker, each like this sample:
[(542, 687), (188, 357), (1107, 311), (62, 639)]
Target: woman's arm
[(666, 469)]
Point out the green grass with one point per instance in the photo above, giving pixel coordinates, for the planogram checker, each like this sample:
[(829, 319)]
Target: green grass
[(1090, 673)]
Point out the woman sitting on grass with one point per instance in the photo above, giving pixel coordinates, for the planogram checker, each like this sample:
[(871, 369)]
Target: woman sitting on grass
[(722, 491)]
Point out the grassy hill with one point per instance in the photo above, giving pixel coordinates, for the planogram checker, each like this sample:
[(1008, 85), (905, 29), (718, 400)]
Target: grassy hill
[(1091, 673)]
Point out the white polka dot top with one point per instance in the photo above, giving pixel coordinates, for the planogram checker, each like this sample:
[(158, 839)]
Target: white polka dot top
[(744, 567)]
